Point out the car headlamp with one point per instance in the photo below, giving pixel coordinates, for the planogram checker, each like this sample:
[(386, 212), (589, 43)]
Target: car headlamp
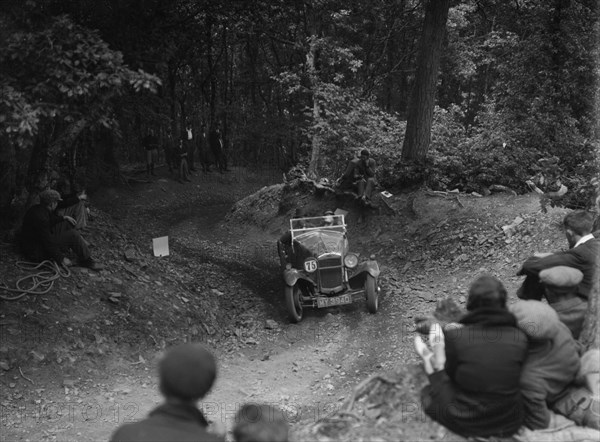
[(350, 260)]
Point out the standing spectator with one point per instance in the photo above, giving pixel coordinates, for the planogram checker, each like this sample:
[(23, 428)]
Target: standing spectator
[(150, 143), (186, 373), (191, 147), (43, 238), (260, 423), (216, 146), (184, 174)]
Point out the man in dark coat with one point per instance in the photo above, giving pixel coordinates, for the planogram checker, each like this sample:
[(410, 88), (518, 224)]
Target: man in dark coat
[(582, 255), (475, 392), (359, 176), (42, 237), (187, 373)]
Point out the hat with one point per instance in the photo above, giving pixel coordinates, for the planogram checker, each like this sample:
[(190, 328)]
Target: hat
[(187, 372), (49, 196), (536, 319), (364, 152), (328, 212), (561, 277)]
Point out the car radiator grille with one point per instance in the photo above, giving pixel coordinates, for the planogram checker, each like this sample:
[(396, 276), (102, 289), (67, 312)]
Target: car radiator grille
[(330, 272)]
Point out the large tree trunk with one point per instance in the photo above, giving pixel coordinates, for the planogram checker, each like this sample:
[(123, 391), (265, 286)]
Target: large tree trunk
[(420, 111), (590, 335), (316, 138)]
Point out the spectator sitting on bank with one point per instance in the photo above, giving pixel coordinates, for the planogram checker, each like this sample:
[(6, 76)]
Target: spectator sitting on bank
[(359, 177), (582, 255), (561, 286), (46, 235), (260, 423), (474, 379), (186, 373), (72, 205), (552, 360)]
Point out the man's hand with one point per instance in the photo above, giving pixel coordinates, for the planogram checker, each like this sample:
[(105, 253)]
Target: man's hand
[(66, 262), (70, 219)]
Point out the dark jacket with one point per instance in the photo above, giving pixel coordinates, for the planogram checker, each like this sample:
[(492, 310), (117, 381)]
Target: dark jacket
[(478, 392), (37, 240), (584, 257), (357, 169), (168, 423)]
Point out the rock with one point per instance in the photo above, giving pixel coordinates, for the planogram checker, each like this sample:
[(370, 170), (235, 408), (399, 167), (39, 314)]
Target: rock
[(4, 365), (270, 324), (37, 356), (130, 255), (69, 383)]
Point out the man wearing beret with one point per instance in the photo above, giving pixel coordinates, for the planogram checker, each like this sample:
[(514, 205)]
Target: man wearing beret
[(360, 176), (186, 373), (43, 238), (582, 255)]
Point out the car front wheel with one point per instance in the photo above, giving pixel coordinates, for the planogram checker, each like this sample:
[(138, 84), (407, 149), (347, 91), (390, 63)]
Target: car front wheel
[(293, 303), (372, 294)]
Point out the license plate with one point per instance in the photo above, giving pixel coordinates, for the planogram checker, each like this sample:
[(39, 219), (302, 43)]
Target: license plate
[(336, 300)]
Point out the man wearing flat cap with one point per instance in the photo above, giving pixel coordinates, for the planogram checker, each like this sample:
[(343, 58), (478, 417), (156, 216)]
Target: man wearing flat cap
[(42, 236), (561, 285), (360, 177), (582, 255), (186, 373)]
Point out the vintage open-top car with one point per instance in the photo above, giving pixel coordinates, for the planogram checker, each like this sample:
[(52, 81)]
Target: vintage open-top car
[(320, 271)]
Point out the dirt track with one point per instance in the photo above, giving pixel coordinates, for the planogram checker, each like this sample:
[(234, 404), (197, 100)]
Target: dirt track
[(305, 369)]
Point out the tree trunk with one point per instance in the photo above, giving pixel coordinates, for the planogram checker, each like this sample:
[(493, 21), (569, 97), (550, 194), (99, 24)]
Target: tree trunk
[(316, 138), (420, 112), (590, 335)]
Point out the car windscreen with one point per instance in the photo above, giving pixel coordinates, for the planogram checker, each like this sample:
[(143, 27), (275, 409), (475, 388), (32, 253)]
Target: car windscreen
[(322, 241)]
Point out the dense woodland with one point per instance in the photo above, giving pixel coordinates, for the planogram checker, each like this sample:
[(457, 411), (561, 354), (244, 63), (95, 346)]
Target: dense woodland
[(447, 94)]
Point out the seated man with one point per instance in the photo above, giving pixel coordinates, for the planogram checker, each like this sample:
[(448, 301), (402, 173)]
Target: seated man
[(582, 255), (561, 285), (552, 360), (260, 423), (43, 238), (475, 391), (72, 205), (360, 177), (186, 374)]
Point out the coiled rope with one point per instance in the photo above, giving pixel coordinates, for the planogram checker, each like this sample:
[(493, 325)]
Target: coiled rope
[(38, 283)]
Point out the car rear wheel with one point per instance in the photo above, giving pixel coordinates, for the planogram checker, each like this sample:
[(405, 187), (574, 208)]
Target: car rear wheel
[(372, 294), (293, 303)]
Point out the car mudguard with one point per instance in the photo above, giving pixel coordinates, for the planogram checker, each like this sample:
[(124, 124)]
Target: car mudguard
[(291, 277), (371, 267)]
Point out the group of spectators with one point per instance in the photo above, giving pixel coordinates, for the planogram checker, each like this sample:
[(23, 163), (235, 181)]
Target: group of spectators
[(500, 367), (186, 374), (181, 153)]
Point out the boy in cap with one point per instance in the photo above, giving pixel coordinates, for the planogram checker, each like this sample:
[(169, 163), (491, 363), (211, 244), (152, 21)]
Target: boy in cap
[(360, 176), (260, 423), (186, 373), (43, 238), (583, 253), (562, 284)]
